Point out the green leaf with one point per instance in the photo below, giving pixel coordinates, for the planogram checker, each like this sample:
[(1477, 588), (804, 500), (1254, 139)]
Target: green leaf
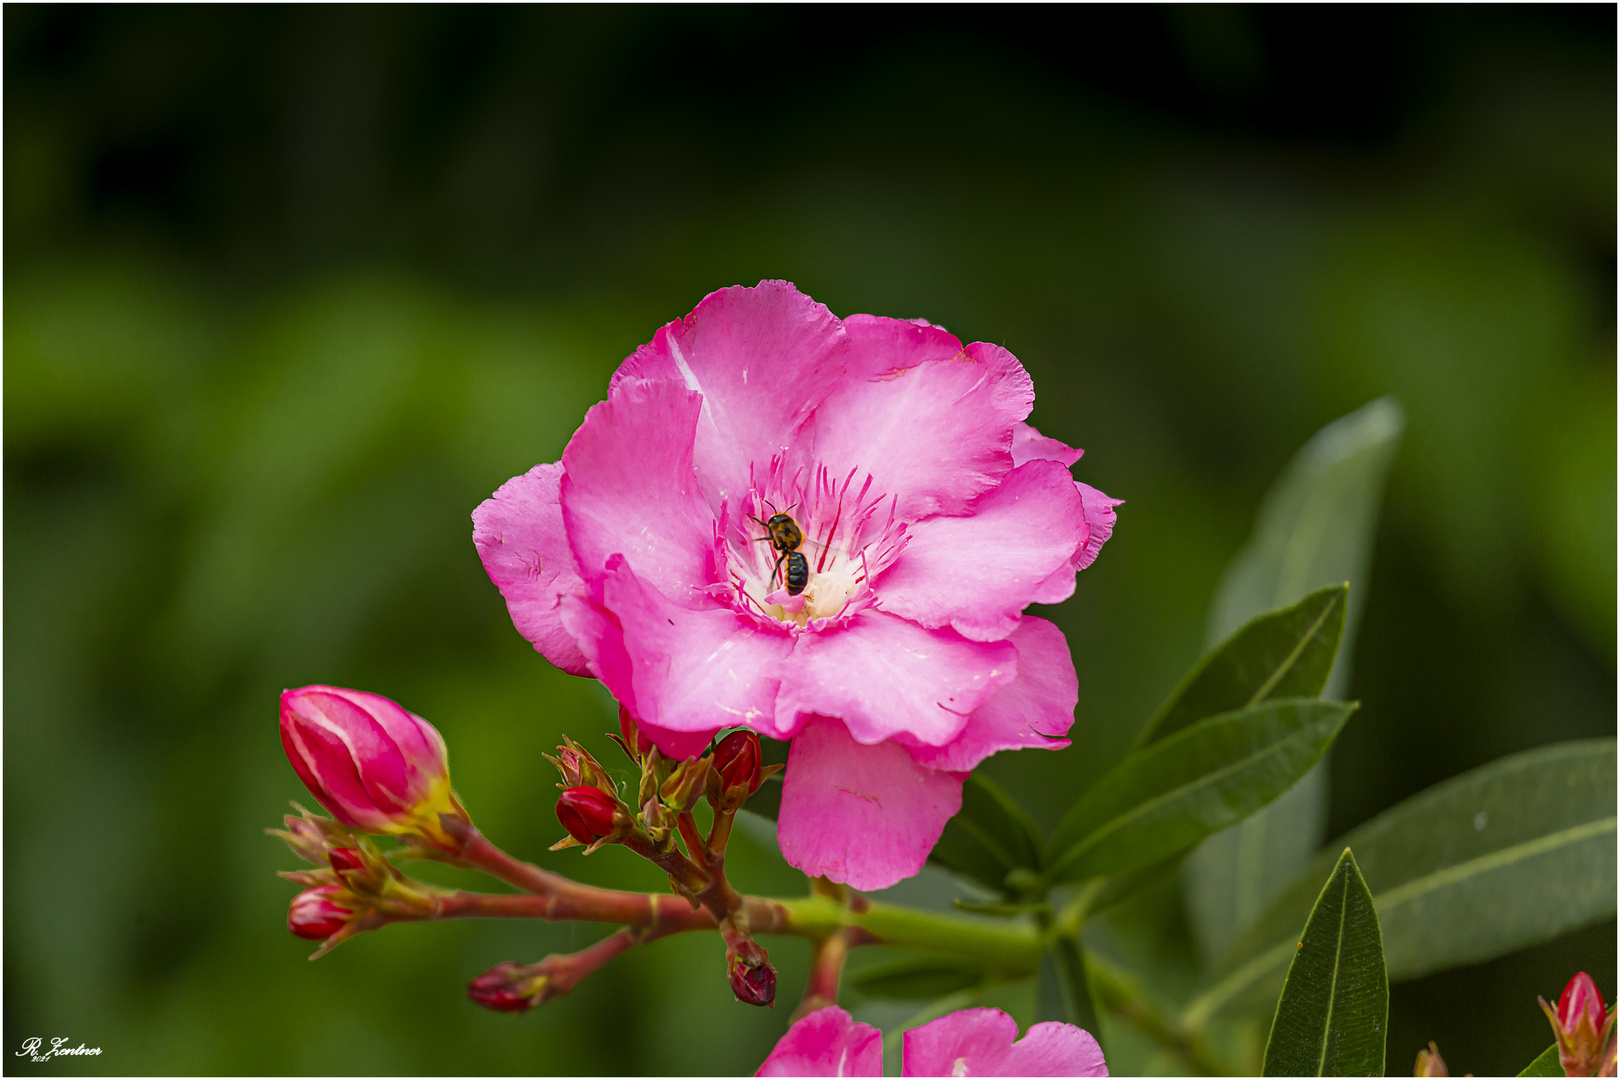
[(1546, 1064), (1316, 527), (1510, 854), (767, 801), (1332, 1018), (1064, 990), (916, 978), (1284, 653), (1170, 795), (990, 838)]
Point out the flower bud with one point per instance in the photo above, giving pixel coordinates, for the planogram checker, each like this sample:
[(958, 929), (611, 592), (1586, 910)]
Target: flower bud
[(346, 860), (753, 979), (508, 987), (373, 765), (1430, 1063), (1581, 1027), (685, 785), (587, 813), (315, 913), (634, 741), (578, 768)]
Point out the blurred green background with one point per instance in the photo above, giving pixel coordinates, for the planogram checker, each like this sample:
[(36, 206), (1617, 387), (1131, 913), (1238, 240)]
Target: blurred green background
[(288, 291)]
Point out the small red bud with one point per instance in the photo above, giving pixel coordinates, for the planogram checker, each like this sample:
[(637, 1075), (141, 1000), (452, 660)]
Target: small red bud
[(587, 813), (346, 859), (1581, 1027), (632, 734), (753, 979), (314, 914), (506, 987), (736, 759)]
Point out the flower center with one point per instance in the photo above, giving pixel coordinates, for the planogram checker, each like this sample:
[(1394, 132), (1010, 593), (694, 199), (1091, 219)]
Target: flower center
[(805, 548)]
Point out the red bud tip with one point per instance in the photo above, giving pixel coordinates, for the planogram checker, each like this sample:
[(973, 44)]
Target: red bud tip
[(506, 987), (736, 759), (314, 913), (587, 813), (1582, 1028), (632, 734), (346, 859), (753, 979), (1581, 998)]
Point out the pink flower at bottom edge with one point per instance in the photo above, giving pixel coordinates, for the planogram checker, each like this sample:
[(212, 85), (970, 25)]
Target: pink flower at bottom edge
[(932, 515), (970, 1042)]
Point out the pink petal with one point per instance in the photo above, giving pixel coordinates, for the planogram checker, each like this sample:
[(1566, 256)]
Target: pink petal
[(629, 488), (684, 673), (979, 1042), (1100, 520), (977, 573), (864, 815), (827, 1043), (1030, 445), (929, 419), (1034, 710), (520, 537), (762, 358), (883, 675), (417, 740)]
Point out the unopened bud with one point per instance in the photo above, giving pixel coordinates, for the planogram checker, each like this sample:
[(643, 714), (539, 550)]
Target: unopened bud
[(587, 813), (578, 768), (736, 770), (685, 785), (315, 913), (508, 987), (635, 742), (753, 979), (1430, 1063), (1581, 1027), (372, 764), (346, 860)]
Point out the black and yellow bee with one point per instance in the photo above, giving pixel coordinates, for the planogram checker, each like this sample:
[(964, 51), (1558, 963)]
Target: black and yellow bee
[(786, 538)]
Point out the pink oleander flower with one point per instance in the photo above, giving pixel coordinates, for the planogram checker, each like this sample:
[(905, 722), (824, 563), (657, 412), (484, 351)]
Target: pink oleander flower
[(1582, 1028), (931, 516), (373, 765), (971, 1042)]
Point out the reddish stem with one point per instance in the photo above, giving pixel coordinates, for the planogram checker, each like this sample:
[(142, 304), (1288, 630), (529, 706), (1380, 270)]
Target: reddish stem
[(826, 969)]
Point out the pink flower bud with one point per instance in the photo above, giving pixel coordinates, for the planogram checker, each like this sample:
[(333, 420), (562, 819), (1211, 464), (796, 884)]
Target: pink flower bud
[(1430, 1063), (508, 987), (1581, 1027), (314, 913), (373, 765), (634, 740), (587, 813), (736, 759), (753, 979)]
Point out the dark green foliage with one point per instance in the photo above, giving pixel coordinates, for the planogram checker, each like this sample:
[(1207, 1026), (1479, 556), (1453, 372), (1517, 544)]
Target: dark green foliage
[(915, 978), (1546, 1064), (990, 838), (1285, 653), (1163, 799), (1333, 1016)]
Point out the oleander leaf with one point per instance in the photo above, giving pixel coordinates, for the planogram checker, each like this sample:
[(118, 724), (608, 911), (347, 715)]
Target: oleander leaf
[(1333, 1016), (1546, 1064), (1505, 856), (1284, 653), (1168, 796), (990, 838), (1315, 528)]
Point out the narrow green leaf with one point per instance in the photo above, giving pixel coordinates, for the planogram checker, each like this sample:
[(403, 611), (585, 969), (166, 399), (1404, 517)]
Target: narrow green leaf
[(1510, 854), (1284, 653), (915, 978), (1064, 990), (1168, 796), (990, 838), (1315, 528), (1332, 1018), (1546, 1064)]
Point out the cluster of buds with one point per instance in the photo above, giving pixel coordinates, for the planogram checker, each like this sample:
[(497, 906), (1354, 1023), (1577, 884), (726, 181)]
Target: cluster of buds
[(594, 814), (1582, 1029), (354, 888)]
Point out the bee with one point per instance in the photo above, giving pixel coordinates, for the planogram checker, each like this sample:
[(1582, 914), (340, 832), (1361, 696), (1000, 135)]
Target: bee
[(786, 538), (785, 534), (798, 571)]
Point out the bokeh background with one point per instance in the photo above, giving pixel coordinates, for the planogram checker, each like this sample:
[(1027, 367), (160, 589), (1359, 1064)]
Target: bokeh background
[(288, 291)]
